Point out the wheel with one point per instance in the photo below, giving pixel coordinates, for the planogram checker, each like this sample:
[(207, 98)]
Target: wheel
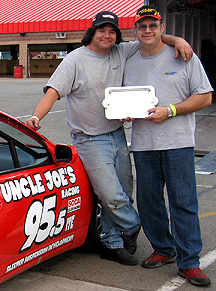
[(92, 243)]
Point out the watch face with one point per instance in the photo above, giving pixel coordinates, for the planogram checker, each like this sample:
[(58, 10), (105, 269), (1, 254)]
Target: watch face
[(170, 113)]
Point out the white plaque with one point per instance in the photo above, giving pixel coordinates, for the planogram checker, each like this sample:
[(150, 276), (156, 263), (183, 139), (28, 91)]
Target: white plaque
[(129, 101)]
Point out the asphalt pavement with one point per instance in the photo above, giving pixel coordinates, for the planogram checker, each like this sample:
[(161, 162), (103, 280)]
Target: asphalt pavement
[(77, 271)]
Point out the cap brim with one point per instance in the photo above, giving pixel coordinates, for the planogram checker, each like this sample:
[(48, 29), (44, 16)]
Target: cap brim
[(152, 16)]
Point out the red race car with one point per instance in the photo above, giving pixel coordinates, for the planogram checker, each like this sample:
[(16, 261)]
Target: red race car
[(47, 205)]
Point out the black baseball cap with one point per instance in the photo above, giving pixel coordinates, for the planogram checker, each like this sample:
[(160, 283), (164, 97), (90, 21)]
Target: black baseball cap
[(147, 11), (106, 17)]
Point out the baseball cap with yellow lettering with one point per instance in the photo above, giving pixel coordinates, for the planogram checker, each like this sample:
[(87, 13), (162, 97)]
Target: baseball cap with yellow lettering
[(147, 11)]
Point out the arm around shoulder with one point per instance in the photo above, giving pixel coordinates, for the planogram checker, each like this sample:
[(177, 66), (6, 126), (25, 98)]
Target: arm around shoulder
[(180, 45)]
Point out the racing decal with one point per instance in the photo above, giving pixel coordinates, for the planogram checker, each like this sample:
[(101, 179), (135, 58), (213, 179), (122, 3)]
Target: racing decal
[(24, 187), (40, 221), (71, 191), (70, 223), (43, 219), (74, 204), (40, 252)]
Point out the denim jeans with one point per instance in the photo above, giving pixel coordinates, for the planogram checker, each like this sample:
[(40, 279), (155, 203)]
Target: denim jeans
[(107, 163), (175, 168)]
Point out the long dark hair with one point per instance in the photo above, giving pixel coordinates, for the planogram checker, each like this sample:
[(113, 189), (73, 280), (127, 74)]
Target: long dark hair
[(91, 31)]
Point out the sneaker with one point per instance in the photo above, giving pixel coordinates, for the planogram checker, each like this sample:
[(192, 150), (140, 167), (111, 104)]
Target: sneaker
[(156, 260), (130, 241), (119, 255), (195, 276)]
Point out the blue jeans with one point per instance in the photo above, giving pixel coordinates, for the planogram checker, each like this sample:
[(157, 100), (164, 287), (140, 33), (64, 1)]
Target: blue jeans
[(107, 162), (175, 168)]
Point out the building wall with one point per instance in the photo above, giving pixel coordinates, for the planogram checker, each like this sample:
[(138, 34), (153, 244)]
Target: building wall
[(7, 66), (42, 67), (192, 28), (39, 67)]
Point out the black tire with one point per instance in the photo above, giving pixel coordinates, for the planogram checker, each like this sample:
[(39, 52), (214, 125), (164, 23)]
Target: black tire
[(92, 243)]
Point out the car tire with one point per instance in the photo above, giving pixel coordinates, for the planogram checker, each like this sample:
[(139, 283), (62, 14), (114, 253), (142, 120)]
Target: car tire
[(92, 243)]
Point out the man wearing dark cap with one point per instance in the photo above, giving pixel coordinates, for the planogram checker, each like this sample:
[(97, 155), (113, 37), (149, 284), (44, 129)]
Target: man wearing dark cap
[(163, 148), (82, 77)]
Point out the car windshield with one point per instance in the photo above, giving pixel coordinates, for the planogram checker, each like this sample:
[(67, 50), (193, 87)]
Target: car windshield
[(17, 135), (19, 150)]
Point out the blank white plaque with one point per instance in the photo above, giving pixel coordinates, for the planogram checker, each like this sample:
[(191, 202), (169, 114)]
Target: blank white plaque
[(129, 101)]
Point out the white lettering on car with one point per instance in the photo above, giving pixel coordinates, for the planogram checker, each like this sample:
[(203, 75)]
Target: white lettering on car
[(40, 221), (71, 191), (26, 186), (70, 223), (40, 252)]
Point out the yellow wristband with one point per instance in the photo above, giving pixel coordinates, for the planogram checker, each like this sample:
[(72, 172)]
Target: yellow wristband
[(173, 109)]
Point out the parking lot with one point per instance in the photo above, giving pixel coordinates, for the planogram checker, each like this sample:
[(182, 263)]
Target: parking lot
[(81, 271)]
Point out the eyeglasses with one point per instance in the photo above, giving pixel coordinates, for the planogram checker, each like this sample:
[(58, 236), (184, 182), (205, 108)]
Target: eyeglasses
[(152, 27)]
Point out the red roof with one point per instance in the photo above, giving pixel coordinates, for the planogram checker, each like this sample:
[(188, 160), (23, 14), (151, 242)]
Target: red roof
[(17, 16)]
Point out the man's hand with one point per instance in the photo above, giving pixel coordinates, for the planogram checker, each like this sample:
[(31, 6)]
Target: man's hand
[(184, 48), (33, 122), (180, 45), (157, 114), (128, 119)]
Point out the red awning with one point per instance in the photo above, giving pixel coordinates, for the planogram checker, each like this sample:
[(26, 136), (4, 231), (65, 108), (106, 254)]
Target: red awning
[(22, 16)]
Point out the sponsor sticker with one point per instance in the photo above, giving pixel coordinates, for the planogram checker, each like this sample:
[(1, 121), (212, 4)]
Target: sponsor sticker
[(74, 204)]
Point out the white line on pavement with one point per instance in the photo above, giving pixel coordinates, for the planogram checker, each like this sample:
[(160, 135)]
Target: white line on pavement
[(205, 186), (174, 283), (29, 115)]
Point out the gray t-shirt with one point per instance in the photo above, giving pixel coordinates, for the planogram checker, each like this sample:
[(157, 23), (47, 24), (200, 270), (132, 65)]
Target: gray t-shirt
[(82, 77), (174, 81)]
